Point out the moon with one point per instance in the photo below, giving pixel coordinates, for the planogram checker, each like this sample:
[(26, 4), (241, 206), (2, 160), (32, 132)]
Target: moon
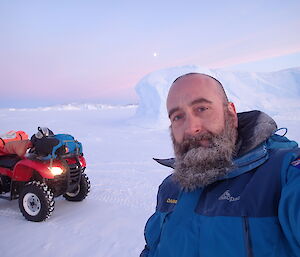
[(155, 54)]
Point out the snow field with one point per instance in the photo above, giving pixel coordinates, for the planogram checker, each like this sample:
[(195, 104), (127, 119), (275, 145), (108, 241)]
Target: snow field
[(124, 181), (119, 144)]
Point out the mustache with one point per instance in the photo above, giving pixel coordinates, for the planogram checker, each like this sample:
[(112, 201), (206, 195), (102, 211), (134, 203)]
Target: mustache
[(196, 141)]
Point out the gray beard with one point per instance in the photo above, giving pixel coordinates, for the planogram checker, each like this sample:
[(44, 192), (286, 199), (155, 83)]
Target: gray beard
[(197, 165)]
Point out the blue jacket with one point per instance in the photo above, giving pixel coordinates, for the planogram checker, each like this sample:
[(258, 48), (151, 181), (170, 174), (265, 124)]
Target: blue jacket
[(253, 211)]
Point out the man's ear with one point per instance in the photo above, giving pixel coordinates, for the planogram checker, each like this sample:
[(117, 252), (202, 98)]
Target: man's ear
[(232, 111)]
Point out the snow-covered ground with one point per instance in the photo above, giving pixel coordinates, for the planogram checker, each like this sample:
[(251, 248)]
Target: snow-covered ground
[(119, 146), (124, 180)]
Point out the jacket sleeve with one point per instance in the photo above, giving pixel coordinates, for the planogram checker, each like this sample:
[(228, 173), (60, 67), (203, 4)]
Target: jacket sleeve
[(145, 252), (166, 199), (289, 205), (146, 249)]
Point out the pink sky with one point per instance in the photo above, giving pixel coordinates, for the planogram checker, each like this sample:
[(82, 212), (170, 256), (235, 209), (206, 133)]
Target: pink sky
[(78, 51)]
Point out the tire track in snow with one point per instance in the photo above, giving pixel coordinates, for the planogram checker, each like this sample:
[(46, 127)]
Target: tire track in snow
[(122, 198), (10, 213)]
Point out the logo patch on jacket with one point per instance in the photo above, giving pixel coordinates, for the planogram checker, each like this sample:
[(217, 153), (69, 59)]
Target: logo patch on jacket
[(169, 200), (296, 163), (227, 196)]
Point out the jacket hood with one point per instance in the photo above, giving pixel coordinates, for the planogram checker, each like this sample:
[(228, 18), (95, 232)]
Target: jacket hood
[(254, 127)]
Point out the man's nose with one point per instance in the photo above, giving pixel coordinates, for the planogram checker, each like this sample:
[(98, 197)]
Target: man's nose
[(193, 126)]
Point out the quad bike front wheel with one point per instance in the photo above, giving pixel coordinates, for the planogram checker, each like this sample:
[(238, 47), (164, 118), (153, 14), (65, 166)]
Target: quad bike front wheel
[(81, 191), (36, 201)]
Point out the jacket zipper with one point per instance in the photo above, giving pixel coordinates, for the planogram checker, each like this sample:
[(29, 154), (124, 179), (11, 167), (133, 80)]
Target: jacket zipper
[(247, 237)]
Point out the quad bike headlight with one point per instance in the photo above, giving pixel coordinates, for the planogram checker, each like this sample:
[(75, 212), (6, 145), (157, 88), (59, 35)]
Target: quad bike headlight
[(56, 170)]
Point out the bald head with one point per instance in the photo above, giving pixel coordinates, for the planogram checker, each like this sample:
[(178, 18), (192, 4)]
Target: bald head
[(203, 78), (195, 103)]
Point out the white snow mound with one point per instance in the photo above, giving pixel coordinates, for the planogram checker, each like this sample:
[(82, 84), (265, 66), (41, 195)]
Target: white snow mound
[(276, 93)]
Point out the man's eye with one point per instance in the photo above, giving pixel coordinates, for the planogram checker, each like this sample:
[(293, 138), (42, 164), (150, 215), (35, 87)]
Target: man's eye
[(201, 109), (177, 117)]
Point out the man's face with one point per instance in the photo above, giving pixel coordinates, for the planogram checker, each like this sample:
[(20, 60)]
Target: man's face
[(203, 130), (195, 105)]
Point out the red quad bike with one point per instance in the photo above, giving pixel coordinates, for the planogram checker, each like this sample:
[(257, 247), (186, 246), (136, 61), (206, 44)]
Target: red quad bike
[(36, 180)]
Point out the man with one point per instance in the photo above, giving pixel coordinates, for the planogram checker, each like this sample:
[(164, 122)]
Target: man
[(235, 190)]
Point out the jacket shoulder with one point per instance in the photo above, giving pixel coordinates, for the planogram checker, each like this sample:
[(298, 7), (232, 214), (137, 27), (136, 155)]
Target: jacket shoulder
[(168, 193), (281, 142)]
